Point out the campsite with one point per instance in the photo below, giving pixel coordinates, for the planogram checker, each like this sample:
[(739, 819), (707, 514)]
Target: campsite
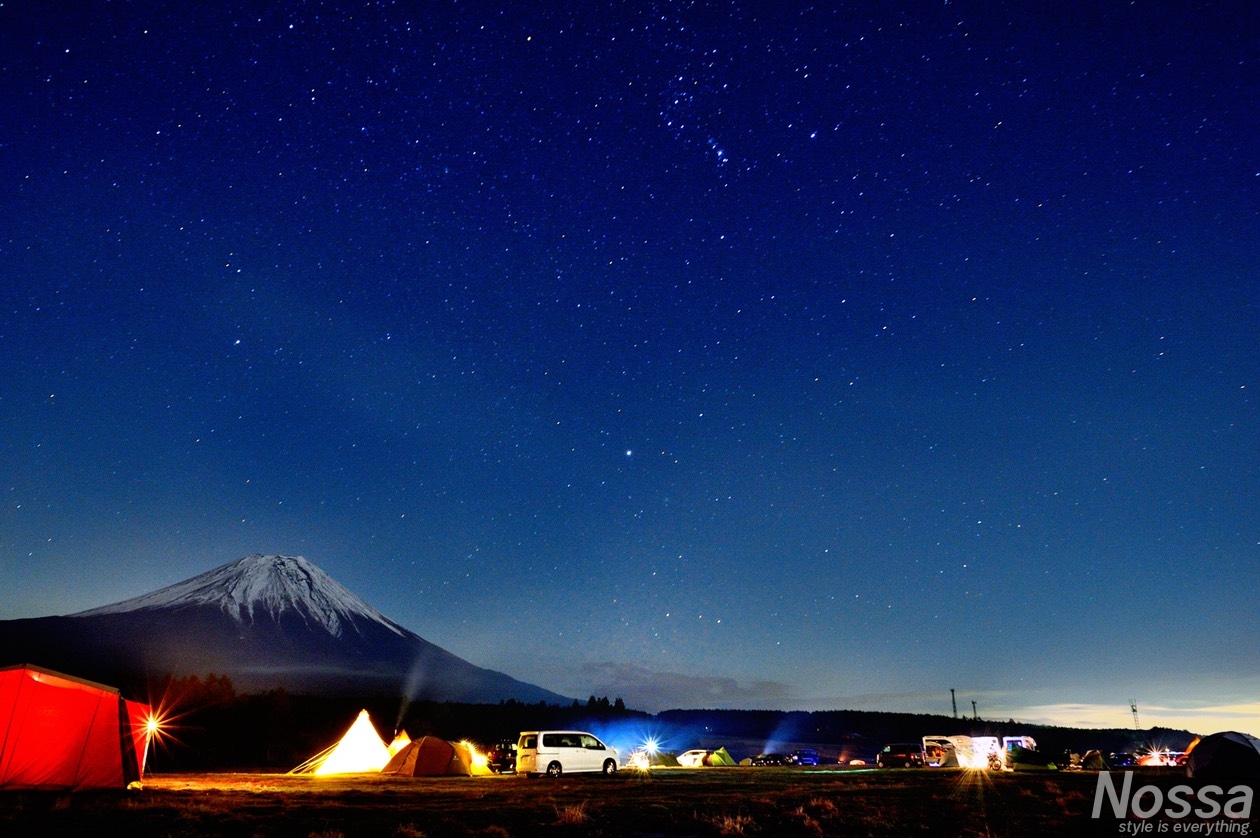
[(357, 784)]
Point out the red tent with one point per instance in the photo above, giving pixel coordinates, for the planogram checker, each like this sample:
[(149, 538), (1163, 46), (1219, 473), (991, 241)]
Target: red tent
[(62, 733)]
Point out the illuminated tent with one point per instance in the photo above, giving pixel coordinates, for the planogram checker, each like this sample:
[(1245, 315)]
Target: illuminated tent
[(477, 763), (1225, 756), (360, 751), (942, 751), (719, 757), (401, 741), (62, 733), (429, 756), (1093, 760)]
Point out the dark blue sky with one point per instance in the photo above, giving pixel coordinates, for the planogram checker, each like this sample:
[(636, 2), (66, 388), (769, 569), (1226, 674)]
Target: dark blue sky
[(704, 354)]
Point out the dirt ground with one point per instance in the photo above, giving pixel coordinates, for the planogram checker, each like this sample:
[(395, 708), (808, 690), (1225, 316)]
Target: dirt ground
[(662, 802)]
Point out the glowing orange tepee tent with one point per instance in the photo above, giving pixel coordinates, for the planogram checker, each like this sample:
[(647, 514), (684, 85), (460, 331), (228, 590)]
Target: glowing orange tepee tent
[(401, 741), (360, 751)]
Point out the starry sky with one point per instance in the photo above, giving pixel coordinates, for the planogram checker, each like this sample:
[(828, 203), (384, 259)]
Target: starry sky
[(706, 354)]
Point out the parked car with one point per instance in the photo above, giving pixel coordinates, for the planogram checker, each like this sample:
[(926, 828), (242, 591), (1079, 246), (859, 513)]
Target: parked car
[(693, 758), (557, 752), (805, 756), (770, 759), (501, 757), (901, 755)]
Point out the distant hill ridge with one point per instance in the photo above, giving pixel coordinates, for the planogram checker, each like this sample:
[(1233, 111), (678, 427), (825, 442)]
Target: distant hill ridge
[(267, 622)]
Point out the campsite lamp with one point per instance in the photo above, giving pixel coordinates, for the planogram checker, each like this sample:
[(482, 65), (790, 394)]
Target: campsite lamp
[(650, 747), (479, 760), (153, 729), (160, 724)]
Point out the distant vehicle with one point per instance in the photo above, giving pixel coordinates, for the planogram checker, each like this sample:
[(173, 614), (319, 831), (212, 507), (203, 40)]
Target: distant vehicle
[(1022, 750), (900, 755), (693, 758), (501, 757), (805, 756), (979, 752), (557, 752), (770, 759), (958, 751)]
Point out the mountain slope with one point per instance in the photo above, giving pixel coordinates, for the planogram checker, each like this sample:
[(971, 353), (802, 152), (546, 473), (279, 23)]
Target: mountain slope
[(267, 622), (258, 587)]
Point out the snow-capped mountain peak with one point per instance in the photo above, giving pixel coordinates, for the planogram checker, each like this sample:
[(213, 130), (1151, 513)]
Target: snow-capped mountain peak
[(262, 586)]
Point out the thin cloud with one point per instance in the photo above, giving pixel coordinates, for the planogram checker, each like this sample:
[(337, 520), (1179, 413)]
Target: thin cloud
[(653, 690), (1202, 719)]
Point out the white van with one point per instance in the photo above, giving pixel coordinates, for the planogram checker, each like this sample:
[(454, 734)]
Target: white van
[(556, 752)]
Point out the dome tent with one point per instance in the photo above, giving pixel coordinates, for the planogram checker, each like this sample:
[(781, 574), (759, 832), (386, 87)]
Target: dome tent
[(1226, 755), (430, 756), (1093, 760)]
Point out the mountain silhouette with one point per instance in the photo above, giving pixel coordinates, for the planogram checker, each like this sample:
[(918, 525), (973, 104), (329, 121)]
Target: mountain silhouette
[(267, 622)]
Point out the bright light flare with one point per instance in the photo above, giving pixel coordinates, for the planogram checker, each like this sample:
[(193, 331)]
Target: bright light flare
[(478, 762), (641, 757), (162, 725), (1159, 757), (158, 727), (973, 784)]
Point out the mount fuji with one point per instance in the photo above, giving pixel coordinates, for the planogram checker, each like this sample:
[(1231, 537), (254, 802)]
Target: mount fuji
[(266, 622)]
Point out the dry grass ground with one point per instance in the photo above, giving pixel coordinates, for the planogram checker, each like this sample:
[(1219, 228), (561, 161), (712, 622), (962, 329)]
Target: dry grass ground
[(676, 802)]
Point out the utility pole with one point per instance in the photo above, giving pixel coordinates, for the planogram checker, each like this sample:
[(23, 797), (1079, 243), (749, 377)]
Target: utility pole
[(953, 701), (1133, 706), (974, 715)]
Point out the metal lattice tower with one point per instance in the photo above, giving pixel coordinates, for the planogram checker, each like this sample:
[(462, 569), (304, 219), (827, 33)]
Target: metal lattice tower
[(1133, 706)]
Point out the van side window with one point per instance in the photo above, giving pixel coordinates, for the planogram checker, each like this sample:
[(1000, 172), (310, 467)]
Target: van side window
[(591, 743)]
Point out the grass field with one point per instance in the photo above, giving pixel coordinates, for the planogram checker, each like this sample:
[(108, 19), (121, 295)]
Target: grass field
[(671, 802)]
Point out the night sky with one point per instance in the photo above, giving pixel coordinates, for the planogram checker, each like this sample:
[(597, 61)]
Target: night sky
[(715, 354)]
